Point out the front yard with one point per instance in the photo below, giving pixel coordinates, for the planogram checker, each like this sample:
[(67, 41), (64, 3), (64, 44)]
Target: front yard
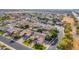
[(28, 41), (39, 47), (2, 32)]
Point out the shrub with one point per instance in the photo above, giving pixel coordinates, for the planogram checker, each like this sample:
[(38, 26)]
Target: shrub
[(39, 47)]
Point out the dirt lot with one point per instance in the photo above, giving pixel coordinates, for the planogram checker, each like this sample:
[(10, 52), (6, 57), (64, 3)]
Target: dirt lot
[(75, 45), (69, 20), (75, 37)]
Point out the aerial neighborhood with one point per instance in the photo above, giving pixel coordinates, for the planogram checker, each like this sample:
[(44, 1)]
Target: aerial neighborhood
[(39, 29)]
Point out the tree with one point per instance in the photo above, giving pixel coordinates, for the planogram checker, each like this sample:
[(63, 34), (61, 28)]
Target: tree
[(69, 36), (65, 44), (2, 32), (77, 29), (5, 17), (39, 47), (48, 38), (53, 33), (15, 36), (67, 27), (28, 41), (26, 26), (46, 19), (0, 17), (39, 30)]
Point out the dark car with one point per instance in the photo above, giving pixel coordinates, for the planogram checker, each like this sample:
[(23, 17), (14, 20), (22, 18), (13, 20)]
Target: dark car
[(25, 37), (12, 41), (54, 41)]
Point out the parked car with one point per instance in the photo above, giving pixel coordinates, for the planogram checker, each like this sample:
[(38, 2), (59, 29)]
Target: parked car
[(54, 41), (12, 41)]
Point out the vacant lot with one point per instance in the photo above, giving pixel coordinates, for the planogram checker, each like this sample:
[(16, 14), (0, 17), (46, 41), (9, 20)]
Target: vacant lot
[(75, 37), (75, 45)]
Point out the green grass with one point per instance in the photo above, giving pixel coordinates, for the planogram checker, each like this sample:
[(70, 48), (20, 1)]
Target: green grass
[(2, 32), (28, 41), (39, 47), (8, 37)]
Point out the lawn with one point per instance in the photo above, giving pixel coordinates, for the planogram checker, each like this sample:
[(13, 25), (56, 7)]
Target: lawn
[(28, 41), (2, 32), (8, 37), (39, 47)]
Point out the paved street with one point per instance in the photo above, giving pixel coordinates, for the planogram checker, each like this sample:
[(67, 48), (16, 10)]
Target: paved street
[(15, 45), (52, 48), (60, 35)]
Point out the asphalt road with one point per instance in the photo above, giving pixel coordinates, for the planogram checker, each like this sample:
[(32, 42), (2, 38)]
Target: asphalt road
[(52, 48), (15, 45), (53, 44), (60, 35)]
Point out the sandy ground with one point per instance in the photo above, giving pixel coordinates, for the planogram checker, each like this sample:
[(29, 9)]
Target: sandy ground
[(76, 38), (75, 45), (69, 20)]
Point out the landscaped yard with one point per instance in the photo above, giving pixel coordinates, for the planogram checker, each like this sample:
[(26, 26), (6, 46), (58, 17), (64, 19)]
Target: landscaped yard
[(6, 17), (39, 47), (53, 33), (2, 32), (8, 37), (28, 41)]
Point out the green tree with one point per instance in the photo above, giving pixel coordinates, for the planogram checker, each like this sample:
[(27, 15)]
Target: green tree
[(2, 32), (53, 33), (0, 18), (40, 30), (48, 38), (69, 36), (67, 28), (77, 29), (39, 47), (28, 41), (26, 26), (65, 44), (15, 36)]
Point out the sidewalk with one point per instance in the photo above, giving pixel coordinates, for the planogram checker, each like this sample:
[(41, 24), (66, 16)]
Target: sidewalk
[(7, 46)]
